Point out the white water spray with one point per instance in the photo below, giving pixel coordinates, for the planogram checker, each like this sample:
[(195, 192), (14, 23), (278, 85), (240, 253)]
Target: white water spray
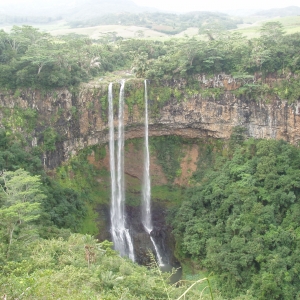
[(146, 207), (120, 234)]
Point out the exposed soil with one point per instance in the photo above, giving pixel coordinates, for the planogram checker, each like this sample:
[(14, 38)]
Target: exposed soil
[(188, 165)]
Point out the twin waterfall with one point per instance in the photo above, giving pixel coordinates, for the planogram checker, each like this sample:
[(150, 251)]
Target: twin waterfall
[(120, 234), (119, 229)]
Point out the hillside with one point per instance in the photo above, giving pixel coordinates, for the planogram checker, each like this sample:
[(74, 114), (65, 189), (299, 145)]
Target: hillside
[(163, 22), (125, 19), (279, 12), (35, 11), (290, 25)]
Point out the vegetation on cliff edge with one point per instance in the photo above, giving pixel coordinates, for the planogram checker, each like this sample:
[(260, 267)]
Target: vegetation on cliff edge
[(30, 58)]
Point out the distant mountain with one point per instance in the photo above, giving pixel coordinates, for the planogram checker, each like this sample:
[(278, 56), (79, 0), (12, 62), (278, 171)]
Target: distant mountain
[(279, 12), (94, 8), (93, 11), (20, 11), (36, 8), (269, 13), (240, 12)]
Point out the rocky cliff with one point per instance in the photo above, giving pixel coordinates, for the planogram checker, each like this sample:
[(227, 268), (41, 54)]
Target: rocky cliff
[(80, 118), (60, 123)]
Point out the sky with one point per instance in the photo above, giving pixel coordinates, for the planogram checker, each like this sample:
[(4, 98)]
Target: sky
[(215, 5), (192, 5)]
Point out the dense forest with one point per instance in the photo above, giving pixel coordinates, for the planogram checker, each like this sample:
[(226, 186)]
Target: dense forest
[(237, 219), (163, 22), (240, 219), (30, 58), (42, 257)]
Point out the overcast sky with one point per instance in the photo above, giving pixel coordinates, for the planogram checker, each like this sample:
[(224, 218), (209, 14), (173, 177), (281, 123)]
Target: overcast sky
[(214, 5), (189, 5)]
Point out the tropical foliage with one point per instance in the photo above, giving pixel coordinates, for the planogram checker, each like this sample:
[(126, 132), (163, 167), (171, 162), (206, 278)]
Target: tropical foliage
[(63, 207), (241, 220), (163, 22), (238, 218), (41, 258), (75, 267), (30, 58)]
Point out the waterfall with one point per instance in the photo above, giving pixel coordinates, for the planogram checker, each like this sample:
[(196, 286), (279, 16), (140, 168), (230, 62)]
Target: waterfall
[(146, 211), (120, 234), (158, 256), (146, 205)]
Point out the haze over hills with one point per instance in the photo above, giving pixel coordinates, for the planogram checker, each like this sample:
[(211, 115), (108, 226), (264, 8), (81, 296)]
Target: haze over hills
[(16, 10), (47, 8), (82, 9), (66, 16), (94, 8), (274, 12), (280, 12)]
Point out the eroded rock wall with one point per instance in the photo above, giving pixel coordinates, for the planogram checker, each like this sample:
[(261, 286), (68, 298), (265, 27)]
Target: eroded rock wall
[(81, 118)]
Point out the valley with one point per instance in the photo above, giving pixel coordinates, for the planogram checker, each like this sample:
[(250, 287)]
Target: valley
[(134, 142)]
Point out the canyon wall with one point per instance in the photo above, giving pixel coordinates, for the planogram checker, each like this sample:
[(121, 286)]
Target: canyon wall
[(80, 118)]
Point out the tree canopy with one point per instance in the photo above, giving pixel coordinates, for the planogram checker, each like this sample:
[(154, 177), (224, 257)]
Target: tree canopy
[(241, 220), (31, 58)]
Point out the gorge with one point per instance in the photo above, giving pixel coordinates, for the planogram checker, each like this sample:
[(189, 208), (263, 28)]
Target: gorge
[(80, 119), (196, 168), (121, 235), (207, 144)]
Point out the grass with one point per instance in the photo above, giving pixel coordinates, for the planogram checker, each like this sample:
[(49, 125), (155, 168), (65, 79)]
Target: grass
[(96, 184), (192, 31), (250, 29), (62, 28), (191, 273), (169, 195), (92, 184), (125, 32), (43, 27), (89, 224), (97, 32), (290, 25), (110, 77), (133, 194)]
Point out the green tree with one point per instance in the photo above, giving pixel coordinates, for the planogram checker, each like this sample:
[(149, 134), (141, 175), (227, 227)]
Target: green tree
[(272, 31), (20, 202), (241, 220)]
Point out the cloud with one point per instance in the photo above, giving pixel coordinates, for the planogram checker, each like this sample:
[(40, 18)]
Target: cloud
[(215, 5)]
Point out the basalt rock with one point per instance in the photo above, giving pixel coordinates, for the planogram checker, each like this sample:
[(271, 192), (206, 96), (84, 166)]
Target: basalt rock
[(143, 246), (80, 118)]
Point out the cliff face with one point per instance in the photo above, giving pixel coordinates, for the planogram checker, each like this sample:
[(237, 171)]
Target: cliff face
[(78, 120), (81, 119)]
